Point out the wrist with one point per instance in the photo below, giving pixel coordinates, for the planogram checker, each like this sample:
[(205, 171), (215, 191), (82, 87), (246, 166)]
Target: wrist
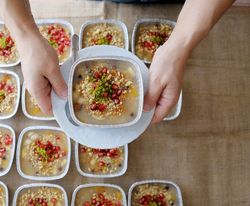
[(175, 53)]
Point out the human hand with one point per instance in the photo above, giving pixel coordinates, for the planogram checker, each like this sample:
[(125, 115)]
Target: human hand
[(165, 81), (40, 67)]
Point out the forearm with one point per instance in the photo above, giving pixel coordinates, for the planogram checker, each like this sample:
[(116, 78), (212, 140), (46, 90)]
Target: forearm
[(18, 18), (196, 19)]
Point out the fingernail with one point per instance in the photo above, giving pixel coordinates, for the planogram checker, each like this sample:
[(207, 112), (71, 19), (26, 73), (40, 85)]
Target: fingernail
[(65, 93), (146, 108)]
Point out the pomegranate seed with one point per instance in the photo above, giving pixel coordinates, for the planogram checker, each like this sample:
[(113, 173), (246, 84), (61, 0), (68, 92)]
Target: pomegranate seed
[(48, 151), (87, 203), (101, 107), (109, 37), (101, 163), (2, 85), (2, 149), (114, 96), (53, 200), (117, 101), (97, 75), (114, 87), (100, 154), (8, 140), (104, 70), (119, 92), (93, 106), (161, 195), (64, 153), (101, 196), (83, 150)]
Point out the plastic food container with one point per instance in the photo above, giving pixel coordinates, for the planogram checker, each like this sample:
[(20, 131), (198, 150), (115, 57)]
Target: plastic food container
[(35, 185), (112, 60), (43, 22), (107, 21), (9, 64), (2, 72), (98, 185), (25, 110), (4, 172), (171, 185), (18, 158), (147, 21), (120, 172), (6, 193)]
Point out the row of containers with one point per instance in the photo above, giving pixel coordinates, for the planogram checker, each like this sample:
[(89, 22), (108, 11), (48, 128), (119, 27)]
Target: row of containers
[(143, 193), (147, 36)]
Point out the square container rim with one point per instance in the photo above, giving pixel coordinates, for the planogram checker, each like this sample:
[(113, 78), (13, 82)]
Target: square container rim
[(119, 23), (140, 85), (118, 174), (18, 153)]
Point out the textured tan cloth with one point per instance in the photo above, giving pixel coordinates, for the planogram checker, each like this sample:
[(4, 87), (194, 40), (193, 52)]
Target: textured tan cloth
[(207, 149)]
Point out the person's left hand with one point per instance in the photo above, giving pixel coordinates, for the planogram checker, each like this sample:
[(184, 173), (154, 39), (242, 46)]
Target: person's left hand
[(165, 81)]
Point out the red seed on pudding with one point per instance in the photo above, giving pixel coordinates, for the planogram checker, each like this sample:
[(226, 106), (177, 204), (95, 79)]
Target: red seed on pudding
[(93, 106), (117, 101), (114, 96), (114, 87), (104, 70), (97, 75), (119, 92), (101, 107)]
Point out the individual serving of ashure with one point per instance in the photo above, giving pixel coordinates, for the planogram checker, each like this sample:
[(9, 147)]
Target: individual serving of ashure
[(3, 195), (149, 37), (103, 34), (99, 196), (43, 153), (101, 161), (6, 149), (59, 37), (8, 94), (8, 49), (41, 196), (106, 92), (153, 194)]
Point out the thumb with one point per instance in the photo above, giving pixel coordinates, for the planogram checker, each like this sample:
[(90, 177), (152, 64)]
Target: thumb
[(153, 94), (56, 80)]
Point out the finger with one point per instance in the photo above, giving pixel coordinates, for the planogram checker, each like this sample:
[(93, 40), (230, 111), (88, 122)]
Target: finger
[(41, 93), (55, 78), (153, 94), (44, 101), (165, 103)]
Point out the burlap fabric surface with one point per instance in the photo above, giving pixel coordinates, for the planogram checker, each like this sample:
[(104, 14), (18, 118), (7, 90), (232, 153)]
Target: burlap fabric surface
[(207, 149)]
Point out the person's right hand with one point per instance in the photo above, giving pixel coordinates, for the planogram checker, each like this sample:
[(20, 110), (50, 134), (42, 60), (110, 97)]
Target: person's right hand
[(40, 67)]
